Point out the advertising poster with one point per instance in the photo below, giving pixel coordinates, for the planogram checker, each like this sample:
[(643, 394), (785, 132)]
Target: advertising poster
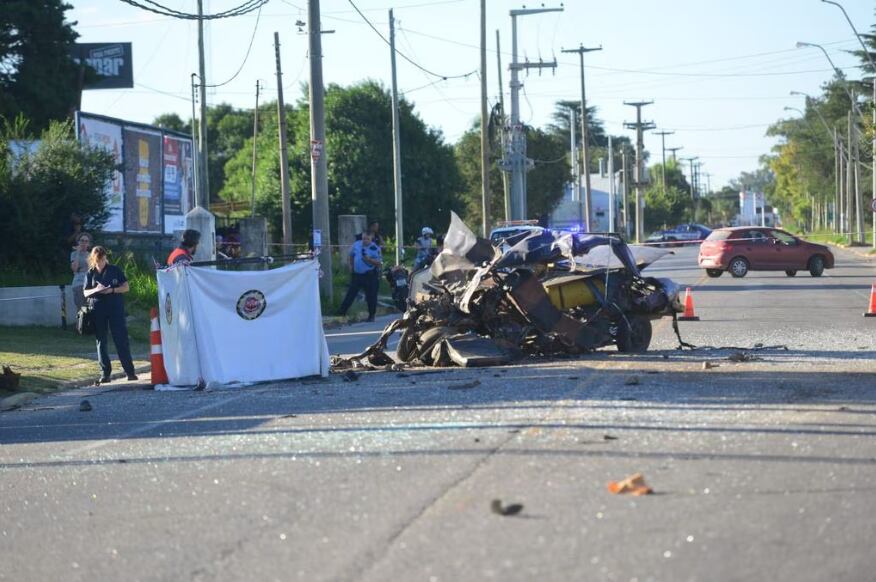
[(178, 182), (111, 62), (108, 136), (142, 180)]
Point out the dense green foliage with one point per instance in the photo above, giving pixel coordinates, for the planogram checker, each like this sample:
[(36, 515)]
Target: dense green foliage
[(38, 78), (40, 189)]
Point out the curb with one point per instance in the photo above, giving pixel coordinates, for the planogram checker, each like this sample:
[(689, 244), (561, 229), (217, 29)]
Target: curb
[(858, 251)]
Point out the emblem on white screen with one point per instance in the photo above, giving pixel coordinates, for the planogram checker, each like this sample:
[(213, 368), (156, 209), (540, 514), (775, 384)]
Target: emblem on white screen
[(168, 309), (251, 304)]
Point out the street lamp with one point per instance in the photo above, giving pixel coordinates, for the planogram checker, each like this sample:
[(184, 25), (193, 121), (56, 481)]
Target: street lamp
[(873, 67), (817, 112), (836, 69)]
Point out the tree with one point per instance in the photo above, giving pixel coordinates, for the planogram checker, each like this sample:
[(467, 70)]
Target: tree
[(40, 189), (38, 77), (173, 122), (360, 174)]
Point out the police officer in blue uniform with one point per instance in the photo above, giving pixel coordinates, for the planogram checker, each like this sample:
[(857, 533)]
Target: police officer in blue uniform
[(365, 261), (104, 286)]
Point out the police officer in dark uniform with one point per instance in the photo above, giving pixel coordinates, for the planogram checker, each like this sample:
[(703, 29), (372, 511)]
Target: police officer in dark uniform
[(104, 286)]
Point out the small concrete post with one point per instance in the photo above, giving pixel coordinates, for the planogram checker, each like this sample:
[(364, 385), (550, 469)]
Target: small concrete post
[(204, 222)]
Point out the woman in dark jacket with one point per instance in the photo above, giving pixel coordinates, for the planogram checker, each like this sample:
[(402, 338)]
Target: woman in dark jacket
[(104, 286)]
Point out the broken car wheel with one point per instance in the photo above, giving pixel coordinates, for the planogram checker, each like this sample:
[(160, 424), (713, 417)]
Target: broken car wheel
[(714, 273), (791, 273), (635, 337)]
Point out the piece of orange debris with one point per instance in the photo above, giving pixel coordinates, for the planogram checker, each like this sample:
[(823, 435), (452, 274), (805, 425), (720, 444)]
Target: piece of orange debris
[(634, 485)]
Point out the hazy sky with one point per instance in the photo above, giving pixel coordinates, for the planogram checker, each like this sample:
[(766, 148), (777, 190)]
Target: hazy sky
[(719, 71)]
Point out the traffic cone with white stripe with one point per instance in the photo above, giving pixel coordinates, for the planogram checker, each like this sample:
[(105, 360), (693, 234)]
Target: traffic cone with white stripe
[(688, 314), (156, 356), (872, 311)]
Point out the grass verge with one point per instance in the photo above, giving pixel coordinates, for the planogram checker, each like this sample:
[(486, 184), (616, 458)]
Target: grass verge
[(50, 358)]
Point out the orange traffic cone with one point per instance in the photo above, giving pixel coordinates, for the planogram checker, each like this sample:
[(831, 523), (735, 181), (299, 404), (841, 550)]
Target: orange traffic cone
[(156, 356), (872, 311), (688, 314)]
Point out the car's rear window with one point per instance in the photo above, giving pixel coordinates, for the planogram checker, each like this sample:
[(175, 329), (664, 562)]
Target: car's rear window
[(719, 235)]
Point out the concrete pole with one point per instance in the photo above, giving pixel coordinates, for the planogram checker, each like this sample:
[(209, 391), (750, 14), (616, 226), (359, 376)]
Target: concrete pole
[(518, 184), (195, 147), (576, 166), (850, 176), (255, 133), (284, 153), (625, 191), (396, 150), (836, 180), (611, 192), (502, 132), (318, 164), (202, 75), (485, 136), (663, 135), (859, 210)]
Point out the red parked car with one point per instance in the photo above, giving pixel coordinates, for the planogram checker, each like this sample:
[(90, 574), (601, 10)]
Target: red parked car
[(753, 248)]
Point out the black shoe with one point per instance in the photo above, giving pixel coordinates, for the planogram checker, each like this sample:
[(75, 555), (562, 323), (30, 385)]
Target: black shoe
[(370, 319), (132, 377), (102, 380)]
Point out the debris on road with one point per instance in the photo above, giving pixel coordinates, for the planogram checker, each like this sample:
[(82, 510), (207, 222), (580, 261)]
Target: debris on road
[(464, 385), (548, 293), (85, 406), (505, 510), (742, 357), (633, 485), (608, 437), (632, 381), (350, 376), (709, 365)]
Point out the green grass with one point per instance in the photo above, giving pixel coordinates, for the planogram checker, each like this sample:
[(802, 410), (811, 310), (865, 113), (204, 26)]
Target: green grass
[(48, 358)]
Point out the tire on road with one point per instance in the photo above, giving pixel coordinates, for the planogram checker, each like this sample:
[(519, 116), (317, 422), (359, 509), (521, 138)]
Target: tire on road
[(738, 267), (791, 273), (714, 273), (816, 265), (635, 338)]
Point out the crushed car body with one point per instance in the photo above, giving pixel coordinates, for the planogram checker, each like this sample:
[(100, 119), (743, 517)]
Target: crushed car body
[(547, 294)]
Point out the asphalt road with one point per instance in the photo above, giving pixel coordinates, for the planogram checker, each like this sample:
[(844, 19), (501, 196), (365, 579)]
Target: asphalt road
[(763, 469)]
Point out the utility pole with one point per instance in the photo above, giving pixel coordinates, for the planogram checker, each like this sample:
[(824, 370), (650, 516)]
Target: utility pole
[(255, 133), (640, 128), (674, 150), (859, 210), (202, 76), (611, 193), (485, 135), (502, 129), (837, 165), (195, 148), (692, 182), (396, 149), (284, 153), (843, 174), (516, 161), (663, 135), (318, 165), (576, 167), (850, 176), (625, 191), (585, 146)]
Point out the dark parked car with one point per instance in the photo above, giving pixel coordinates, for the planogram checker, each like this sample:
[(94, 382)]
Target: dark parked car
[(749, 248), (681, 234)]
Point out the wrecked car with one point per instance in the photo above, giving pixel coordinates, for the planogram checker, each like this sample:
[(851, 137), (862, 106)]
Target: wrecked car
[(546, 294)]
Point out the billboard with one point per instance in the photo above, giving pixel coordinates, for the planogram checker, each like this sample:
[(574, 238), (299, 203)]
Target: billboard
[(111, 61), (178, 182), (142, 151), (108, 136)]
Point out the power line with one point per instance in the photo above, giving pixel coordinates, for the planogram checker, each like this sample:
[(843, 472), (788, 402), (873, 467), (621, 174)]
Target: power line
[(401, 54), (156, 8), (246, 56)]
